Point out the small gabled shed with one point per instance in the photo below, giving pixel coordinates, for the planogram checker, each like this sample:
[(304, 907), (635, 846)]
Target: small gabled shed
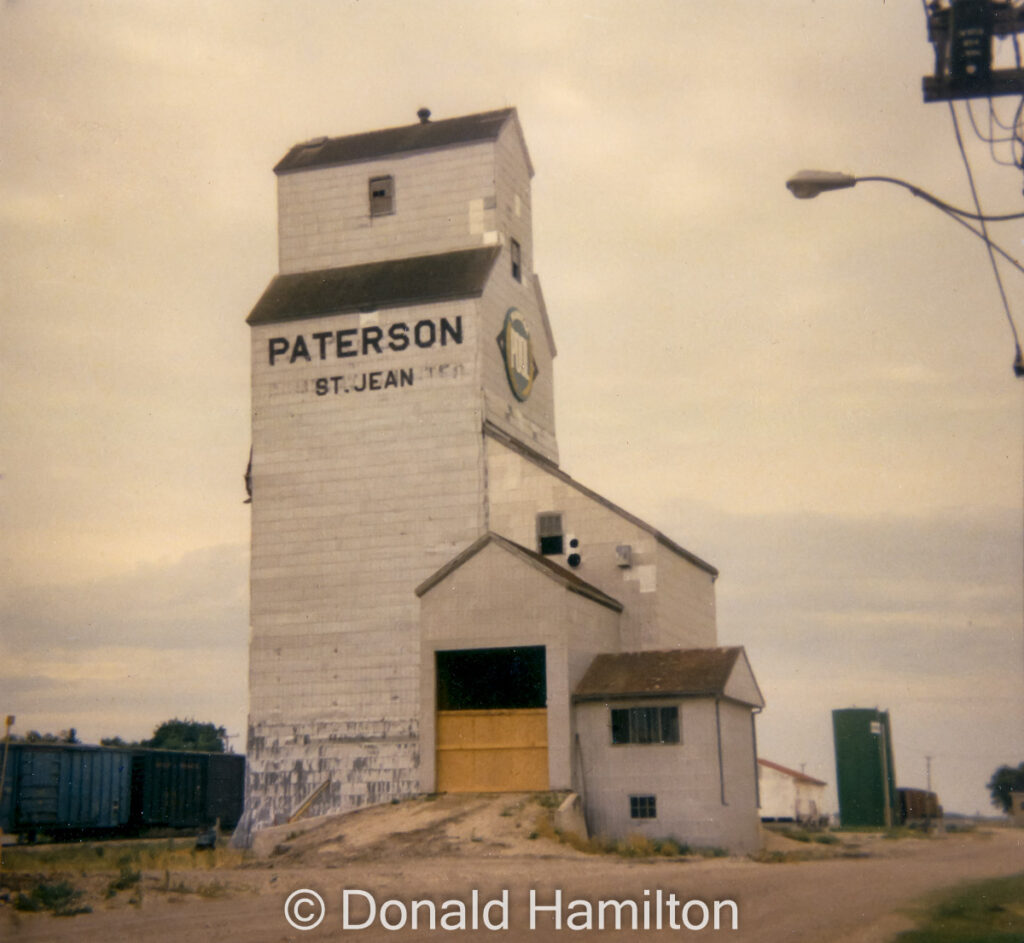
[(666, 746)]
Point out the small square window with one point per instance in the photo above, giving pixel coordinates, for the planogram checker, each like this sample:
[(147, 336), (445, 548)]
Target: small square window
[(517, 261), (382, 196), (643, 807), (550, 538)]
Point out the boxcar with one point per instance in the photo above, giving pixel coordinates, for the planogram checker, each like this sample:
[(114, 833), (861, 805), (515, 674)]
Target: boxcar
[(172, 789), (71, 790), (918, 807), (63, 789)]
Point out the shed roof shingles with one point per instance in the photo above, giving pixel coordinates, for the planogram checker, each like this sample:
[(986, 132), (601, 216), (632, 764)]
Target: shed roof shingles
[(691, 671)]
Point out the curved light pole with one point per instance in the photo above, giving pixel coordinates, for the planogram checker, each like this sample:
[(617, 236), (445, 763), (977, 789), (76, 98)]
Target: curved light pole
[(807, 184)]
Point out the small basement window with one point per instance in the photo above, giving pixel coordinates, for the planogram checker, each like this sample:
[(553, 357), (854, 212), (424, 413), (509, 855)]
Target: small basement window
[(550, 537), (382, 196), (517, 261), (645, 725), (643, 807)]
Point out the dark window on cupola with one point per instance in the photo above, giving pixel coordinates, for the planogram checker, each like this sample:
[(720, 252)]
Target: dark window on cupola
[(382, 196), (517, 261), (550, 536)]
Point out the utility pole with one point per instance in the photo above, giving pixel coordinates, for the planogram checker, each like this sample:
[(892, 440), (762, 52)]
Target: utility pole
[(928, 774), (962, 34), (8, 723)]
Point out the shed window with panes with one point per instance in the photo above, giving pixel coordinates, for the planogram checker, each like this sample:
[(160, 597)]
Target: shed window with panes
[(643, 807), (550, 539), (382, 196), (645, 725), (517, 261)]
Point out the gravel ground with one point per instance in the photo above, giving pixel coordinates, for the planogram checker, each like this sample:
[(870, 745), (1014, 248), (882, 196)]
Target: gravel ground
[(858, 891)]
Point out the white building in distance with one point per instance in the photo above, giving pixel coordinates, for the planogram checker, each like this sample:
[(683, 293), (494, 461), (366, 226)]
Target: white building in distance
[(788, 795)]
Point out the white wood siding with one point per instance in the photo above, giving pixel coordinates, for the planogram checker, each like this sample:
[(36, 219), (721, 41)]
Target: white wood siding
[(518, 489), (685, 778), (356, 498), (444, 200)]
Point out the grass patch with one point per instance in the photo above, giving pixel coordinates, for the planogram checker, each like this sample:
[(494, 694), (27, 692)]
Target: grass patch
[(797, 834), (892, 833), (127, 878), (549, 800), (210, 890), (901, 831), (781, 857), (119, 858), (986, 912), (808, 836), (633, 846), (59, 897)]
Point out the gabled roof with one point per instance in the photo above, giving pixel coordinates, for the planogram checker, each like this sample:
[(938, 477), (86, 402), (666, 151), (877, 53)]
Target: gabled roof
[(690, 672), (500, 435), (558, 573), (794, 774), (394, 283), (424, 135)]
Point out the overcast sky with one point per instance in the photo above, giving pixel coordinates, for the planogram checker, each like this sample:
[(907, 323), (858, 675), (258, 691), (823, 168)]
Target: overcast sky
[(816, 397)]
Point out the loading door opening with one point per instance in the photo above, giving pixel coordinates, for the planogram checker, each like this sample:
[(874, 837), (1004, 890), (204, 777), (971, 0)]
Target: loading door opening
[(492, 720)]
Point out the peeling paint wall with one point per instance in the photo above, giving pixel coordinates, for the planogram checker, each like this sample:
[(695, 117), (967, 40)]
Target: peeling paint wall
[(366, 762), (363, 487)]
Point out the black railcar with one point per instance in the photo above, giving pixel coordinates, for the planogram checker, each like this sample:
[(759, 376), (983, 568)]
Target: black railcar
[(67, 790), (64, 789), (173, 789)]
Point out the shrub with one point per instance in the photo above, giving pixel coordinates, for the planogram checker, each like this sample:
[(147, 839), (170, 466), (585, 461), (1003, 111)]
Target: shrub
[(128, 877), (60, 898)]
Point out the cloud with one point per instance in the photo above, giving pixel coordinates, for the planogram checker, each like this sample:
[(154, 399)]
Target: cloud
[(810, 396), (124, 691), (199, 601), (917, 614), (118, 655)]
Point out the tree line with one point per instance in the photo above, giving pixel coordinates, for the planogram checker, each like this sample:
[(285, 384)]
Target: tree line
[(190, 735)]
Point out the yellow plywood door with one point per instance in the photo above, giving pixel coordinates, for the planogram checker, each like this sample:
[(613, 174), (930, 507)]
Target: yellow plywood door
[(492, 751)]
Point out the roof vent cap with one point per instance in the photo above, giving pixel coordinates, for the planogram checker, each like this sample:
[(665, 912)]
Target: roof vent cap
[(424, 115)]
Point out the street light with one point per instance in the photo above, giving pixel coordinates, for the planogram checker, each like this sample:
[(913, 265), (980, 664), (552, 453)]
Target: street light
[(807, 184)]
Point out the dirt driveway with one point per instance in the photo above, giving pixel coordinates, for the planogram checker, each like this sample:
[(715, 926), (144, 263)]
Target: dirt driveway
[(443, 854)]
